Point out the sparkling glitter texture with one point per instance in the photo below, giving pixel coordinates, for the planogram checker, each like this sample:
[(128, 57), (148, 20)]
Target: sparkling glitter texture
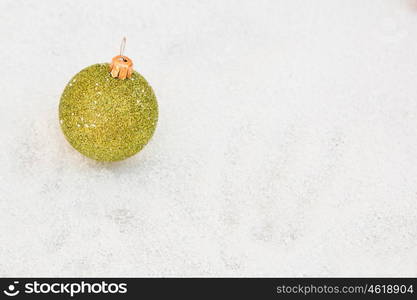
[(105, 118)]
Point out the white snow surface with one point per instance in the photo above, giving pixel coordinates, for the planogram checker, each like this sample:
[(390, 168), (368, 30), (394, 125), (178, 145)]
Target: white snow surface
[(286, 142)]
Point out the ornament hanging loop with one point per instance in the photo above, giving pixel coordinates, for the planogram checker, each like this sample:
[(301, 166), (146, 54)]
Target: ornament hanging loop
[(122, 46), (121, 66)]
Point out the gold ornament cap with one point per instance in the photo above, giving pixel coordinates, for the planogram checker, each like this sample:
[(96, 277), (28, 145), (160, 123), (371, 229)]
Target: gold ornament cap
[(121, 66)]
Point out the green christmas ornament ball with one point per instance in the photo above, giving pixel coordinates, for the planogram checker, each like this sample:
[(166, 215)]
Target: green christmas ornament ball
[(106, 118)]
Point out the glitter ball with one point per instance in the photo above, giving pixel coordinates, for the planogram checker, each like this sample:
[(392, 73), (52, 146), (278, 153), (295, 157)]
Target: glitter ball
[(122, 127)]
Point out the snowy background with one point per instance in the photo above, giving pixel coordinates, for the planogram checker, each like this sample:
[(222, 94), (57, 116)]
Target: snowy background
[(286, 143)]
